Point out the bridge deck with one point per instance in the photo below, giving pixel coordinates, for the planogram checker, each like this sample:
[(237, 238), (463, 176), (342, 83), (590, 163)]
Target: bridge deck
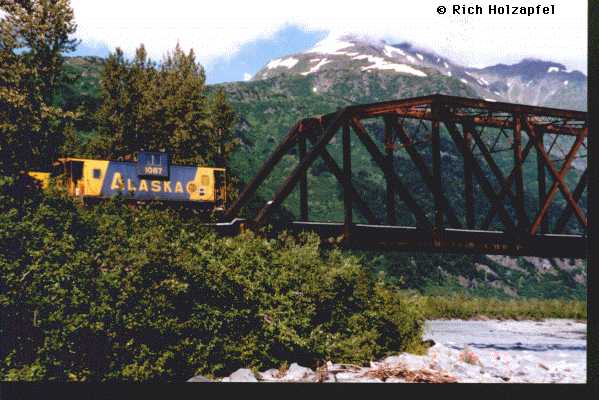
[(406, 238)]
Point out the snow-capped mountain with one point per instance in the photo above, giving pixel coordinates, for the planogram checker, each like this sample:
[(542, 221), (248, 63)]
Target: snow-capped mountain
[(530, 81)]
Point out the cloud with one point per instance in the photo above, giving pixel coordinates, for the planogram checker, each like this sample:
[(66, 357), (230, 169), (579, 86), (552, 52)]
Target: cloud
[(247, 76), (217, 30)]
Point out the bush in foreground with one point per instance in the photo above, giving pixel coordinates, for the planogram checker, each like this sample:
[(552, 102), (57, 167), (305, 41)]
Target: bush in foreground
[(110, 293)]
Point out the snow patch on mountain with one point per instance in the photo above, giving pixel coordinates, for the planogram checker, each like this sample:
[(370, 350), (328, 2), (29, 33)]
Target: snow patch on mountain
[(316, 67), (287, 62), (380, 63), (330, 45), (389, 50)]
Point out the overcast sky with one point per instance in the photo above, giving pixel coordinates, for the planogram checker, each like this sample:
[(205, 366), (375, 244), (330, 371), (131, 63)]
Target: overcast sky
[(219, 31)]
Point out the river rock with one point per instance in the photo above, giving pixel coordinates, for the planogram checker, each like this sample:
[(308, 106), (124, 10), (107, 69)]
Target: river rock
[(409, 360), (347, 376), (297, 373), (198, 378), (270, 375), (368, 380), (395, 379), (357, 377), (243, 375), (466, 369)]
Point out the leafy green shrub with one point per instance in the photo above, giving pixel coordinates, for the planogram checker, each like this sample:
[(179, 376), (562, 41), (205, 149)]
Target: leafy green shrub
[(111, 293)]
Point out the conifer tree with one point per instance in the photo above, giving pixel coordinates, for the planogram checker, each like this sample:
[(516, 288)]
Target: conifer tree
[(165, 108), (184, 129), (34, 36), (223, 119), (127, 115)]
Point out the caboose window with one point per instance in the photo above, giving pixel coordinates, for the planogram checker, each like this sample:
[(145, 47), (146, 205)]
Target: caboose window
[(96, 173), (154, 160), (205, 180), (75, 170)]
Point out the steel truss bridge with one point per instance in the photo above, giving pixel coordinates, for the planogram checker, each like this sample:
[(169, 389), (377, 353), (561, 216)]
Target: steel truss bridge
[(478, 129)]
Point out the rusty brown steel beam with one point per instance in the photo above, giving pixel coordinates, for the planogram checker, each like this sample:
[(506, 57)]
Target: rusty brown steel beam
[(541, 180), (522, 219), (389, 148), (478, 120), (398, 186), (469, 203), (493, 211), (291, 181), (512, 108), (496, 170), (480, 175), (364, 110), (356, 199), (558, 182), (338, 173), (425, 172), (266, 169), (303, 183), (347, 200), (567, 212), (436, 161), (402, 238)]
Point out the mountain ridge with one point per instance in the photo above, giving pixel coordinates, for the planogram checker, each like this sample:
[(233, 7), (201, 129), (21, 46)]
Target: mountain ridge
[(530, 81)]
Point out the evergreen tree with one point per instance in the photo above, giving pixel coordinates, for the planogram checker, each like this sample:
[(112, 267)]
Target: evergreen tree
[(112, 118), (34, 35), (223, 120), (184, 129), (126, 116), (166, 108)]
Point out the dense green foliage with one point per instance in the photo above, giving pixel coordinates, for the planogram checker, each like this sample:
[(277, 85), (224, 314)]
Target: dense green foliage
[(165, 108), (468, 307), (110, 293), (34, 35)]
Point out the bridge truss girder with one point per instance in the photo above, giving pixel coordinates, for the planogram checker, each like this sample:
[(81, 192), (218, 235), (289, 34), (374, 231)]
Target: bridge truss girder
[(465, 121)]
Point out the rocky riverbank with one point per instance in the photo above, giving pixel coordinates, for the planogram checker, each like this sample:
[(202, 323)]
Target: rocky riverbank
[(550, 351)]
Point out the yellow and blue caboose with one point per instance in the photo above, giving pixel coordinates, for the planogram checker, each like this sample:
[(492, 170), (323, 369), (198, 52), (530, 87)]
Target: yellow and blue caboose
[(151, 177)]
